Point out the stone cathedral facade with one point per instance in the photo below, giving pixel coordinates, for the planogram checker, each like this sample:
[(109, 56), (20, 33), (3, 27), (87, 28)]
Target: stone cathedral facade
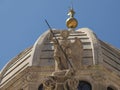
[(64, 60)]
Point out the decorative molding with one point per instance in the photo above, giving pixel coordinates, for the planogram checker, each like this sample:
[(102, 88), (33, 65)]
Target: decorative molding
[(98, 76)]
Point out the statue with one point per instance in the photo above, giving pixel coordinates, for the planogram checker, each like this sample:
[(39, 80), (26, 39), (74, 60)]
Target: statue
[(76, 53), (61, 62), (63, 77), (73, 50)]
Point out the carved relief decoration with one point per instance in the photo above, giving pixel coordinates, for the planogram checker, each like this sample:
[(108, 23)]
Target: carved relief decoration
[(31, 76), (98, 76), (60, 83)]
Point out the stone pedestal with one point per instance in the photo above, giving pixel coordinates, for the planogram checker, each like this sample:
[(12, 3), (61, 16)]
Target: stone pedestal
[(61, 80)]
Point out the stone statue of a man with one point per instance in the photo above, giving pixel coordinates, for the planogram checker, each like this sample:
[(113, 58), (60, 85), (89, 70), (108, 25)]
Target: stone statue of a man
[(60, 49)]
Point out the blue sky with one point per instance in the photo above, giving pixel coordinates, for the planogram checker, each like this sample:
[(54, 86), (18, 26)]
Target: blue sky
[(22, 21)]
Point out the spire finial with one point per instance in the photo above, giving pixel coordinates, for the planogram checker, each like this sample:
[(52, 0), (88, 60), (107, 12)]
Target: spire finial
[(71, 12), (71, 22)]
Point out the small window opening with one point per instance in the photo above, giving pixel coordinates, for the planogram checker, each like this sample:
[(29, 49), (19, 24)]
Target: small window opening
[(83, 85), (41, 87)]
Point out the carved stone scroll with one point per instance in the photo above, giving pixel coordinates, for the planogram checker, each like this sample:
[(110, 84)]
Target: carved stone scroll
[(60, 83), (71, 84)]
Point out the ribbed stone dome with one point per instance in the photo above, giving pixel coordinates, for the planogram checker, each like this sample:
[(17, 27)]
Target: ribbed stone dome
[(95, 52)]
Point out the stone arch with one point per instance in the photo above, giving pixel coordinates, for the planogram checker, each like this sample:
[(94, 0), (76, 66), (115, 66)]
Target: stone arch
[(111, 88)]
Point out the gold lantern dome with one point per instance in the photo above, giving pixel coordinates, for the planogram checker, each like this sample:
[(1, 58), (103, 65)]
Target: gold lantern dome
[(71, 22)]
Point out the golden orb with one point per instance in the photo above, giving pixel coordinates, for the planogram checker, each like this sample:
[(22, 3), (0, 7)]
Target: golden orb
[(71, 22)]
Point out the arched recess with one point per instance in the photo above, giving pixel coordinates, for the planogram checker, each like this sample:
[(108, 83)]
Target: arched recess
[(111, 88), (83, 85), (41, 87)]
